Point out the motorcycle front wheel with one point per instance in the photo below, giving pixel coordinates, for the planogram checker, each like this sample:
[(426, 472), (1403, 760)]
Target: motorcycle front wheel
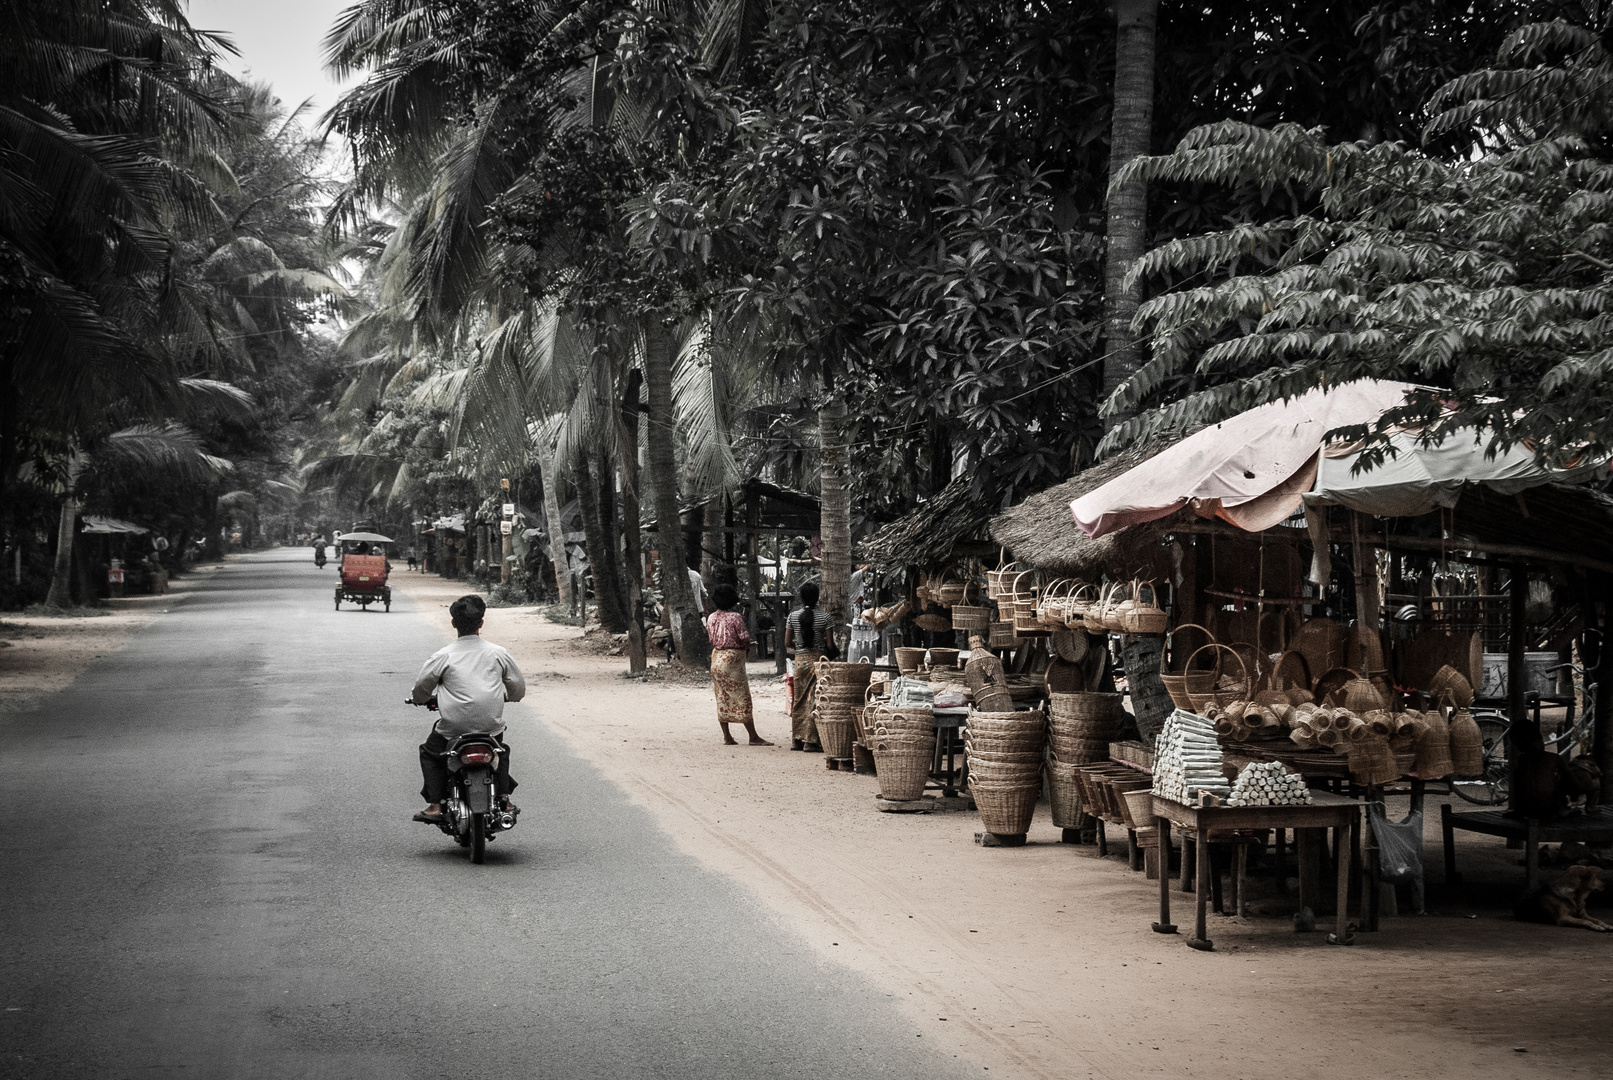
[(478, 838)]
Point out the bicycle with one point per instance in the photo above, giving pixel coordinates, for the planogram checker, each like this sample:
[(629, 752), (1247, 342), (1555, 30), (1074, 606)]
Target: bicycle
[(1492, 786)]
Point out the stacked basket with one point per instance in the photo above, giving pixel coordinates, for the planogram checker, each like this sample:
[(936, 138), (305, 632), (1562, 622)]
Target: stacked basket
[(1004, 753), (1083, 725), (841, 691), (902, 738)]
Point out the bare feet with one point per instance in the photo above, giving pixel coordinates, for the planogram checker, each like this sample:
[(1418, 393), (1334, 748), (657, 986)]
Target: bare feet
[(755, 739)]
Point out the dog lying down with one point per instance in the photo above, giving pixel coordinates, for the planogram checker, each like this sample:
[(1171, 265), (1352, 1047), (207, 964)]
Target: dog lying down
[(1563, 900)]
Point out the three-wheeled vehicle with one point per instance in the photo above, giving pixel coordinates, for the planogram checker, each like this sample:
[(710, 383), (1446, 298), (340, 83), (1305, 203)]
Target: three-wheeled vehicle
[(364, 569)]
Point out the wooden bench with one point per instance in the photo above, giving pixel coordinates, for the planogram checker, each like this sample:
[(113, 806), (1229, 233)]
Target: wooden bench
[(1594, 827)]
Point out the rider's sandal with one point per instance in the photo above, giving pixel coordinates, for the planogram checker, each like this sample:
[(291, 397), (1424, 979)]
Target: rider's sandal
[(429, 819)]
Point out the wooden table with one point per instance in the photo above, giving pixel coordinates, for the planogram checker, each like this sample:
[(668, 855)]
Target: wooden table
[(1327, 811)]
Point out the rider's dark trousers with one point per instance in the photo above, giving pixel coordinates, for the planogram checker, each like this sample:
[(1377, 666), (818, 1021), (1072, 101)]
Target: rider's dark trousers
[(435, 769)]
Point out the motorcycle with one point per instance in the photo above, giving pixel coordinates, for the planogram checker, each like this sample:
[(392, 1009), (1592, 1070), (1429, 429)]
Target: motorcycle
[(319, 558), (471, 814)]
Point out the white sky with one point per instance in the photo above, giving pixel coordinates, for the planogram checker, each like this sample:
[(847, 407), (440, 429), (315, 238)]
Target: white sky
[(279, 43)]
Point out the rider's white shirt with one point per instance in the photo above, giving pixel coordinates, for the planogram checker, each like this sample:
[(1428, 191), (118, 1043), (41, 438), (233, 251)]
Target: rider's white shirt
[(472, 679)]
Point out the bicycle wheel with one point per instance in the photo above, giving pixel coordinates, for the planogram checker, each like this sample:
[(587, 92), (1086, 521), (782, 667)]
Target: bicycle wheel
[(1492, 787)]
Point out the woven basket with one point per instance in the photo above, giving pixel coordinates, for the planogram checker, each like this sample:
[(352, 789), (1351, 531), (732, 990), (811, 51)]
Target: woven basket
[(1017, 720), (1063, 677), (1322, 641), (1329, 686), (1360, 696), (1433, 750), (843, 673), (1005, 809), (1080, 751), (1022, 743), (1000, 580), (1064, 796), (1027, 624), (944, 658), (1002, 636), (971, 617), (1086, 706), (933, 622), (1221, 692), (836, 736), (1179, 684), (902, 771), (1005, 757), (1143, 617), (1467, 744), (1372, 762), (908, 659), (1450, 682)]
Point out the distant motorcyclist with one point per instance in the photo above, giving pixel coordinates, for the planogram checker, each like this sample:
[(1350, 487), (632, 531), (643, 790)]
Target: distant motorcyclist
[(319, 551), (471, 680)]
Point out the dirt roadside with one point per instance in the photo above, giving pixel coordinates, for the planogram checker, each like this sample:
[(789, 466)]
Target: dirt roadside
[(1038, 961), (41, 654)]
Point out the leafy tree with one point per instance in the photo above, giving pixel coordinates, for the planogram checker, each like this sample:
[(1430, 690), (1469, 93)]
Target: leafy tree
[(1481, 275)]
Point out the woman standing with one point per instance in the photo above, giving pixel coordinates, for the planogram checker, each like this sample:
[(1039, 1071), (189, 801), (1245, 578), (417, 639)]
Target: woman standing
[(730, 645), (808, 635)]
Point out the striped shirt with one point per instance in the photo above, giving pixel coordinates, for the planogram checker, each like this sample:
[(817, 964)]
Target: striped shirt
[(820, 631)]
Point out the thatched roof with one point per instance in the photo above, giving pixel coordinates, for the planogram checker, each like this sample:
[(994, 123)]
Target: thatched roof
[(935, 532), (1041, 530)]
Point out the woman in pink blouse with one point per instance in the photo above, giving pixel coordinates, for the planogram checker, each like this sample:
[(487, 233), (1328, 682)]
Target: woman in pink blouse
[(730, 645)]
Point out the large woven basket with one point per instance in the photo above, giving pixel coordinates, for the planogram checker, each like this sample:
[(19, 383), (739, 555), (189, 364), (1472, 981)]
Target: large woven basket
[(1005, 809), (903, 771), (1224, 692), (971, 617), (1081, 751), (1064, 796), (943, 658), (1002, 636), (909, 659), (836, 736), (1433, 750), (843, 673), (1467, 744)]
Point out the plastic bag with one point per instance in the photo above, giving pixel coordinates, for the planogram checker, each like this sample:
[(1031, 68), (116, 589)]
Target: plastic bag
[(1400, 844)]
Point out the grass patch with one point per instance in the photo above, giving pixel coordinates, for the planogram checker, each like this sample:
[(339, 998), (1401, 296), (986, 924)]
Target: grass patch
[(561, 613)]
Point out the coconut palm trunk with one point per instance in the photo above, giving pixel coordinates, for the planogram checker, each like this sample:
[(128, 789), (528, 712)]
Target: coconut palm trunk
[(557, 531), (631, 523), (61, 575), (834, 527), (1131, 129), (688, 632), (600, 542)]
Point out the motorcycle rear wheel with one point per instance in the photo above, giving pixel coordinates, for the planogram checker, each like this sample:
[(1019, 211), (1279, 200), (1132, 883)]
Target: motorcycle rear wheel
[(478, 838)]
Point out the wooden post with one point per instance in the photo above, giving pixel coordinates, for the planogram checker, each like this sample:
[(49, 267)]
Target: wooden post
[(1518, 595), (754, 566)]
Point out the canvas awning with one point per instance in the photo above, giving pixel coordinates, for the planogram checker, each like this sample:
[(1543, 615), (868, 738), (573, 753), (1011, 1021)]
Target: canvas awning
[(1250, 469), (1255, 469), (108, 526), (1420, 479)]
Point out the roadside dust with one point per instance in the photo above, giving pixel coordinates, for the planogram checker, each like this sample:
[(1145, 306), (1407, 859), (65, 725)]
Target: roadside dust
[(1039, 961)]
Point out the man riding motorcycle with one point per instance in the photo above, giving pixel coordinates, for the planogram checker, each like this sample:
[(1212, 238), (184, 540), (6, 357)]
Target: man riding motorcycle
[(471, 680)]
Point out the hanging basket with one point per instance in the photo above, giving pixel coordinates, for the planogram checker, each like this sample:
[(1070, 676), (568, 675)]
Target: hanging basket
[(1143, 617), (1002, 635), (999, 581), (1467, 744), (970, 616)]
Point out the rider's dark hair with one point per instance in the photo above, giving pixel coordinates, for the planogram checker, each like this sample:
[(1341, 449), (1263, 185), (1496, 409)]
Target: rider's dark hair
[(725, 596), (809, 616), (467, 612)]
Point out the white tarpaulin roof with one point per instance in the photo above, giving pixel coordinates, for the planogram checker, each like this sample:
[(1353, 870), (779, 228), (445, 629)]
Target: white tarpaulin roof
[(1229, 469), (1421, 479), (95, 523), (1255, 469)]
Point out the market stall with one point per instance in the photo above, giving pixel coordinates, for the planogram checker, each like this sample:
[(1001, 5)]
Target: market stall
[(1347, 625)]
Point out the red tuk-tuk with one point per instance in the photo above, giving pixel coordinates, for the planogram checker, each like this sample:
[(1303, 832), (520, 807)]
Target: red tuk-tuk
[(364, 569)]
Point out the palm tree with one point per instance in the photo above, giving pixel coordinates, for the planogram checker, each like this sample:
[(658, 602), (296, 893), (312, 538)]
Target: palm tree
[(1131, 130), (169, 447)]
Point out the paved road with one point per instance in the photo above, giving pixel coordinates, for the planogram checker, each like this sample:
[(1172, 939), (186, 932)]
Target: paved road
[(208, 871)]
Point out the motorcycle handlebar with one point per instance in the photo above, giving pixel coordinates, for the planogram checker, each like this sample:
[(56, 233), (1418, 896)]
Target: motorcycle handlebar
[(430, 703)]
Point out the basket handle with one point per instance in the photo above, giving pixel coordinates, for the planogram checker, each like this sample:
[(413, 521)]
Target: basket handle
[(1220, 648), (1015, 587), (1187, 626), (1153, 592)]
